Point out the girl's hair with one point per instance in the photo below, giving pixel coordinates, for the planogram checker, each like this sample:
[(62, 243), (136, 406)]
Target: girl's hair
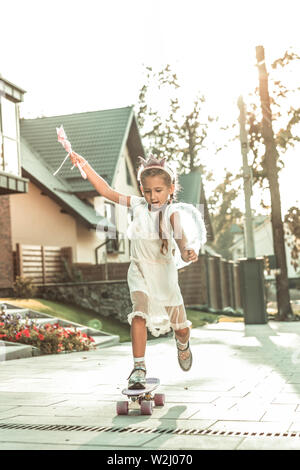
[(156, 167)]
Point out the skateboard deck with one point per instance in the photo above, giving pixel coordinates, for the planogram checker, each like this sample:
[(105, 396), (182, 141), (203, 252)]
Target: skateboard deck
[(142, 397), (151, 384)]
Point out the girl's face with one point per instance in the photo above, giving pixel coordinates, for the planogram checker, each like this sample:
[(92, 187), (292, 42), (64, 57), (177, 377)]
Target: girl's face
[(155, 190)]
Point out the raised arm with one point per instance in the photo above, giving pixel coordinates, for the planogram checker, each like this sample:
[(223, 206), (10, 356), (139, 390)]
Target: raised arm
[(101, 186)]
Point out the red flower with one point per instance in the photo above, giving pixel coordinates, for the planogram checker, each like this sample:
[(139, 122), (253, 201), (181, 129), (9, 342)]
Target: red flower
[(41, 337), (26, 333), (18, 335), (1, 336)]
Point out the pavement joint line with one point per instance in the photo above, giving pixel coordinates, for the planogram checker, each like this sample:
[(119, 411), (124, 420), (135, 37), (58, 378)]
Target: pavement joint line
[(148, 430)]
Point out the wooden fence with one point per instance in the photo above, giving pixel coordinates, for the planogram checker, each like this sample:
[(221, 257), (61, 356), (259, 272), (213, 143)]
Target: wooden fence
[(42, 264), (211, 281)]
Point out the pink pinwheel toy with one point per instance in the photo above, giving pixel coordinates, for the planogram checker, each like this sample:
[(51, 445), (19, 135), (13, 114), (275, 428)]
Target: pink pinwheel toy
[(62, 138)]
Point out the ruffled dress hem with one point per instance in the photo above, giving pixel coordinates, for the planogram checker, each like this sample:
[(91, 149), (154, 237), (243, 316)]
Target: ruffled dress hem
[(154, 330), (158, 330)]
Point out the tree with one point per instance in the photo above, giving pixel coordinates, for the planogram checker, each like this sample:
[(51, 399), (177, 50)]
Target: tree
[(285, 119), (224, 214), (166, 129), (292, 221), (270, 168), (157, 125), (182, 138)]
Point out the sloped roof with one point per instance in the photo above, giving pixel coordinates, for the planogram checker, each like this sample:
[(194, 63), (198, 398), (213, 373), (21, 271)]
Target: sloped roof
[(99, 136), (58, 190), (191, 186)]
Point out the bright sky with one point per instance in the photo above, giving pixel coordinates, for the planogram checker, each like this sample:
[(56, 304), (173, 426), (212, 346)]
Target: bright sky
[(73, 56)]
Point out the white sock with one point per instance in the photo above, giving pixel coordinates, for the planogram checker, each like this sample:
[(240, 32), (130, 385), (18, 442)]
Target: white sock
[(138, 360), (182, 345)]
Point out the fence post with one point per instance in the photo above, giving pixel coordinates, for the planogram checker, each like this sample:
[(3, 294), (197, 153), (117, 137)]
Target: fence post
[(203, 274), (43, 264), (224, 283), (237, 286), (19, 259), (230, 266), (215, 282)]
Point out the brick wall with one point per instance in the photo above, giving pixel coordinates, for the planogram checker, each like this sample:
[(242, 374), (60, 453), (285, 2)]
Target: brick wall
[(6, 254)]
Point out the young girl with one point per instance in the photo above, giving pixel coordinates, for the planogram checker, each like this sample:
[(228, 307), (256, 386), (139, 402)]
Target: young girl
[(152, 276)]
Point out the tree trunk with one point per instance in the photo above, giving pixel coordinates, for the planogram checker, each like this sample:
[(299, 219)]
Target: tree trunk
[(285, 311)]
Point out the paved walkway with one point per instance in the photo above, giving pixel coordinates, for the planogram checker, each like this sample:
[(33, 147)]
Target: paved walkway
[(243, 392)]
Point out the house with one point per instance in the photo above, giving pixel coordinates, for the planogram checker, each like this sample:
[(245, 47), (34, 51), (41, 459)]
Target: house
[(12, 184), (65, 210), (263, 241)]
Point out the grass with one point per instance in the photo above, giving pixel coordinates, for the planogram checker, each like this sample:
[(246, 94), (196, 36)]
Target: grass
[(75, 314), (110, 325)]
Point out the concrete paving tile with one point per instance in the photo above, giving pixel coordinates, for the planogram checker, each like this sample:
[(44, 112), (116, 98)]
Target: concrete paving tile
[(225, 402), (4, 409), (188, 396), (34, 446), (244, 373), (287, 398), (277, 412), (38, 399), (193, 443), (41, 411), (269, 443), (290, 388), (77, 438), (250, 426), (234, 413)]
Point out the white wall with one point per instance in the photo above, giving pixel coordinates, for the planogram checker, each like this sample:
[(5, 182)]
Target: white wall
[(37, 220)]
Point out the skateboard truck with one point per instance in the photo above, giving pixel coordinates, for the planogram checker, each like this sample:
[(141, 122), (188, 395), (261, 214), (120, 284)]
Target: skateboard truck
[(142, 398)]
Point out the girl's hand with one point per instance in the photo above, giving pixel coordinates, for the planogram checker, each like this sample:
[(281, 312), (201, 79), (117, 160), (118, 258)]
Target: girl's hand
[(75, 158), (189, 256)]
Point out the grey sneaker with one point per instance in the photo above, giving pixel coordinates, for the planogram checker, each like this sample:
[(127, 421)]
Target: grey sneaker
[(137, 378), (185, 364)]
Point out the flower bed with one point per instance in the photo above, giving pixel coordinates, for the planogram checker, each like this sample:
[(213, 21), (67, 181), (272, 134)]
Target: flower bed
[(49, 338)]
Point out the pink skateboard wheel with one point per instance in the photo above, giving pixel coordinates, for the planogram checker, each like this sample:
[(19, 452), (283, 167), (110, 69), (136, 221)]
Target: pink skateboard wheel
[(159, 399), (122, 407), (146, 407)]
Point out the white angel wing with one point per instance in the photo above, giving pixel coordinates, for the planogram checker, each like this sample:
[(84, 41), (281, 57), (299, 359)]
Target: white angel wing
[(191, 221)]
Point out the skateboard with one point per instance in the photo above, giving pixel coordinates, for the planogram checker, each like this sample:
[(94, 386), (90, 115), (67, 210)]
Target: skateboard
[(142, 398)]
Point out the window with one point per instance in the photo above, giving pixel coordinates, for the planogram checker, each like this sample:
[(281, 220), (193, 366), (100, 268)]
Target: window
[(9, 155)]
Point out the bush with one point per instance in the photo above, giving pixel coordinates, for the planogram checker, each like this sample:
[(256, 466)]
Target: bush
[(49, 338), (24, 288)]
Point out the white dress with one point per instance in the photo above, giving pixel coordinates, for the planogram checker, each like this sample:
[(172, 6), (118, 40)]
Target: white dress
[(152, 276)]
